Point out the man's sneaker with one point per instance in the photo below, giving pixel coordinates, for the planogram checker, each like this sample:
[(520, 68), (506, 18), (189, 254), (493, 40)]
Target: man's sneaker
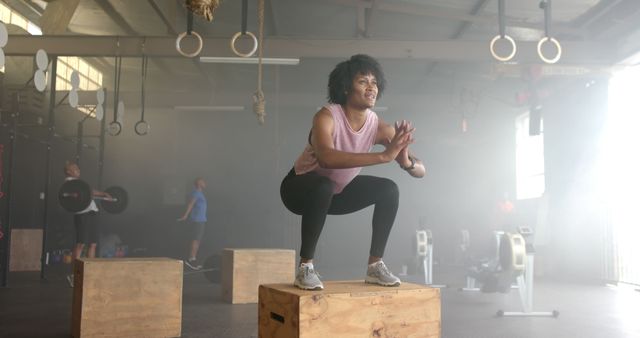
[(70, 280), (307, 278), (193, 264), (377, 273)]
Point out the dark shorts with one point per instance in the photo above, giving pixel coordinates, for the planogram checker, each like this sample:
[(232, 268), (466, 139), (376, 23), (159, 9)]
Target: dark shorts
[(197, 230), (87, 231)]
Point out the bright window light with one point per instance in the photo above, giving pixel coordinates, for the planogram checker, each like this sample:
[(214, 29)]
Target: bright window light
[(529, 160), (9, 16), (619, 171), (90, 78)]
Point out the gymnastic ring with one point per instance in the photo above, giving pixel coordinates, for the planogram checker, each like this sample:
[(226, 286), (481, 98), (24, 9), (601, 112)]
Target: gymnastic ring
[(235, 38), (115, 128), (142, 127), (502, 58), (197, 51), (555, 42)]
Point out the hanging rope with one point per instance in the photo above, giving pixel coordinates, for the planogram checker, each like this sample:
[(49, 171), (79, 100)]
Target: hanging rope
[(502, 36), (189, 32), (258, 97), (244, 32), (115, 127), (245, 7), (545, 5), (142, 127)]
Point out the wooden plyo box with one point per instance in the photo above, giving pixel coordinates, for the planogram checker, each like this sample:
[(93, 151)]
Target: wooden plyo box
[(244, 269), (127, 297), (349, 309), (26, 249)]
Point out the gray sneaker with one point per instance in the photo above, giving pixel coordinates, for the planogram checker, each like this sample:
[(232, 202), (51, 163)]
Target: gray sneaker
[(379, 274), (192, 264), (308, 279)]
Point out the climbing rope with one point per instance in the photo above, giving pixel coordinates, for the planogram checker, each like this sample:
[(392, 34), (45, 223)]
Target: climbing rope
[(258, 97)]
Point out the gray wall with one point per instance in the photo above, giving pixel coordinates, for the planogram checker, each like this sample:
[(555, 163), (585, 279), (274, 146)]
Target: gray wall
[(244, 164)]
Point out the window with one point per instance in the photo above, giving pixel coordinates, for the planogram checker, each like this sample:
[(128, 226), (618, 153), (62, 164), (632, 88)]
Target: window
[(90, 78), (9, 16), (618, 168), (529, 160)]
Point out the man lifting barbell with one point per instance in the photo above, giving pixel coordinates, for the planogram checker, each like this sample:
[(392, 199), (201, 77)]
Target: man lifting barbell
[(77, 197), (84, 220)]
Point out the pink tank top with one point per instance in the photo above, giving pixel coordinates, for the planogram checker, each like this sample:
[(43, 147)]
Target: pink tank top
[(344, 139)]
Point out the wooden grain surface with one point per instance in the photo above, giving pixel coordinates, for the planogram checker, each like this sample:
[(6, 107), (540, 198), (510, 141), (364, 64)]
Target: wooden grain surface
[(349, 309), (127, 297), (243, 270)]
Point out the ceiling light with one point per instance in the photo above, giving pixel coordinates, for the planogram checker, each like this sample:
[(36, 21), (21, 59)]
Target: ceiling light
[(209, 108), (252, 60)]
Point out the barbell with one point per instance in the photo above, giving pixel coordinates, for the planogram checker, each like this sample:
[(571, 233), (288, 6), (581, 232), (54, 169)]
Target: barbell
[(76, 195)]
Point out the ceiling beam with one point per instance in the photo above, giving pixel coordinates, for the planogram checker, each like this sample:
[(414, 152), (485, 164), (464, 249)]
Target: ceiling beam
[(163, 17), (594, 13), (57, 16), (34, 8), (574, 52), (465, 25), (447, 13), (112, 12), (619, 21), (25, 9)]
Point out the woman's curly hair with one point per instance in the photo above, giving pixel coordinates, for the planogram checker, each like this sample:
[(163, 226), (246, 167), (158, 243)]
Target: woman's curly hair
[(342, 76)]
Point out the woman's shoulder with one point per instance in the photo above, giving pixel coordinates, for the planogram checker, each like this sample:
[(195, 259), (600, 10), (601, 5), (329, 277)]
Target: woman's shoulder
[(324, 114)]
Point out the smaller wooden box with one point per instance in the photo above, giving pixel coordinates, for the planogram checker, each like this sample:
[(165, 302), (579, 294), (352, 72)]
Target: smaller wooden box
[(127, 297), (26, 250), (244, 269), (349, 309)]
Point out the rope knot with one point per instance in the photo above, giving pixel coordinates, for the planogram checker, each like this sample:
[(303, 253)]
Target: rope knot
[(259, 105), (204, 8)]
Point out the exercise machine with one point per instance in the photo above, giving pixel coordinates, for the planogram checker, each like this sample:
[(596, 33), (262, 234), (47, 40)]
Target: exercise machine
[(424, 250), (517, 254)]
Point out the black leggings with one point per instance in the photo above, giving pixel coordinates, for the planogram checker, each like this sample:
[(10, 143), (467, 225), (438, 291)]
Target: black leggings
[(311, 195)]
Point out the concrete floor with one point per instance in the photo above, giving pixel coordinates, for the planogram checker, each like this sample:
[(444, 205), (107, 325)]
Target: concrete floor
[(34, 308)]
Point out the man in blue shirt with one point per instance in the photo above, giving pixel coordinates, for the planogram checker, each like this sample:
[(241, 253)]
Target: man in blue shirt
[(197, 214)]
